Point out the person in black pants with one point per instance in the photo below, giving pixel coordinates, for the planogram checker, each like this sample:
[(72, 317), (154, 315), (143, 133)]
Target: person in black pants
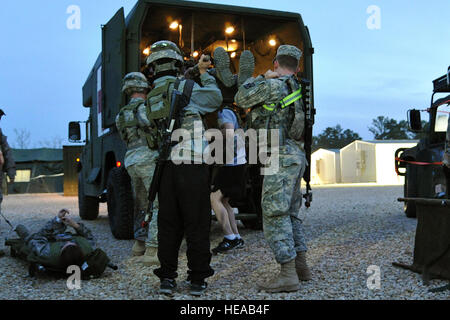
[(185, 210), (184, 190)]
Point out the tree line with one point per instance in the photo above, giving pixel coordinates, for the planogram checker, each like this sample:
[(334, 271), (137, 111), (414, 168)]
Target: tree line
[(382, 128), (22, 140)]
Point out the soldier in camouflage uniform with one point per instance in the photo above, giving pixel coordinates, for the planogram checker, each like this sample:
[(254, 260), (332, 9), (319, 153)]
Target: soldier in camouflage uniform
[(275, 99), (57, 247), (140, 162), (185, 208), (7, 163)]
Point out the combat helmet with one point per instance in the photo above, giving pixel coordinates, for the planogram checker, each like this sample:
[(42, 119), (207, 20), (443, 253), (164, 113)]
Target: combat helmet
[(135, 82), (165, 56)]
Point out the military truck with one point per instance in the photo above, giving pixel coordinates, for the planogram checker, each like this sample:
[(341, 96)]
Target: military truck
[(197, 28), (421, 166)]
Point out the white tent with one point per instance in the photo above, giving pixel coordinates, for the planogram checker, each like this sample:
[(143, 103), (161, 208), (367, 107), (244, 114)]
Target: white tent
[(372, 161), (325, 167)]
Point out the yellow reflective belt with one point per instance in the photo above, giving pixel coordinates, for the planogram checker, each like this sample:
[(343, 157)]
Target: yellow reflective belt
[(286, 102)]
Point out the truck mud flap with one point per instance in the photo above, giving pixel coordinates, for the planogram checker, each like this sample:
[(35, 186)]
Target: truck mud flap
[(432, 241)]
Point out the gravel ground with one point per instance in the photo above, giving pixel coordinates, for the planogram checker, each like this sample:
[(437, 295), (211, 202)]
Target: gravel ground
[(348, 230)]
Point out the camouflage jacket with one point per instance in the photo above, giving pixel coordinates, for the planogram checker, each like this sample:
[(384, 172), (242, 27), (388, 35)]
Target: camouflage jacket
[(259, 91), (204, 100), (55, 231), (139, 153), (9, 166)]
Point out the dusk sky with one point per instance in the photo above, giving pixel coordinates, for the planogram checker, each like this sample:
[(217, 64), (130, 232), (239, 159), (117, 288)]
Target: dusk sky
[(359, 73)]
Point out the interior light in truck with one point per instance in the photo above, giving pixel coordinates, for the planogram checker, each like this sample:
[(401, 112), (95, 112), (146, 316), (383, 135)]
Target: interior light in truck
[(229, 30), (146, 51), (272, 42), (233, 55), (174, 25)]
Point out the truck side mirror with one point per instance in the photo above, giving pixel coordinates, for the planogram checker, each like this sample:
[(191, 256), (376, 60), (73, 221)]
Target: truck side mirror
[(74, 132), (415, 121), (448, 76)]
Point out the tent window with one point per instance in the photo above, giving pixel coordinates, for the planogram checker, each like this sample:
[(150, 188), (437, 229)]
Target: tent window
[(22, 176)]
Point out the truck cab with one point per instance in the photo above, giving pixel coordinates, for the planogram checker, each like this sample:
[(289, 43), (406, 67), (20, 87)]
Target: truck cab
[(422, 165), (196, 28)]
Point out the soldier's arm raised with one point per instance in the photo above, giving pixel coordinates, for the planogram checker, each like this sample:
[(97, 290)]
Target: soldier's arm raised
[(209, 97), (85, 232), (52, 228)]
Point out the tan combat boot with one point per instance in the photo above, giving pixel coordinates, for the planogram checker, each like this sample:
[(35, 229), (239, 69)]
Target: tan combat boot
[(286, 281), (303, 272), (138, 248), (150, 257)]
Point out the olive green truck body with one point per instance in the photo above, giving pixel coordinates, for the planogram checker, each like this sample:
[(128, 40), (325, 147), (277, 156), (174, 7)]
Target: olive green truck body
[(201, 28)]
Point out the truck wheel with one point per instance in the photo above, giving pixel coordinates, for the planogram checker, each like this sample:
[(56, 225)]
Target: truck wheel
[(252, 207), (88, 206), (254, 224), (120, 204), (410, 191)]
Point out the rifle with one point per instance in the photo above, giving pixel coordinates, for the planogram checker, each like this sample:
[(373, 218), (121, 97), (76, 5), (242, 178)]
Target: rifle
[(310, 113), (164, 151), (7, 221)]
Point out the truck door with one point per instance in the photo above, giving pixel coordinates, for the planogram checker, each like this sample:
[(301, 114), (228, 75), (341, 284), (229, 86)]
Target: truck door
[(113, 58)]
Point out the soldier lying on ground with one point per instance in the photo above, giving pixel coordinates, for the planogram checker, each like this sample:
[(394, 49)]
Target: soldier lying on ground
[(54, 246)]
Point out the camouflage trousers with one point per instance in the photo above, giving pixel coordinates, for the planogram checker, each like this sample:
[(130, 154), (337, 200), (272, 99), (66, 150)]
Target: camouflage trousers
[(141, 179), (281, 203)]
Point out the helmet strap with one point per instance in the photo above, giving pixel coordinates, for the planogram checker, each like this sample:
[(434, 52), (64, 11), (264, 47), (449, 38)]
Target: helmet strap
[(169, 66)]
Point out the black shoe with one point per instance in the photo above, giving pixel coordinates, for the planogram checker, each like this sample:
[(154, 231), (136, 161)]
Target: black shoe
[(198, 288), (225, 246), (167, 287), (240, 243)]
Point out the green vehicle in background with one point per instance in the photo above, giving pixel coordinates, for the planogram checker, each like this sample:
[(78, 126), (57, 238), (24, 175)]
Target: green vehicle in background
[(197, 28), (421, 165)]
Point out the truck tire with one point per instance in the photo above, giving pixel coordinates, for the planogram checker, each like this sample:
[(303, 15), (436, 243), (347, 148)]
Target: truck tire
[(410, 191), (88, 206), (253, 206), (120, 204), (254, 224)]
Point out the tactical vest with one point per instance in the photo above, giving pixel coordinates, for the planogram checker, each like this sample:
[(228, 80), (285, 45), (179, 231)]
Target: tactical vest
[(159, 103), (95, 263), (52, 261), (129, 130), (288, 115)]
